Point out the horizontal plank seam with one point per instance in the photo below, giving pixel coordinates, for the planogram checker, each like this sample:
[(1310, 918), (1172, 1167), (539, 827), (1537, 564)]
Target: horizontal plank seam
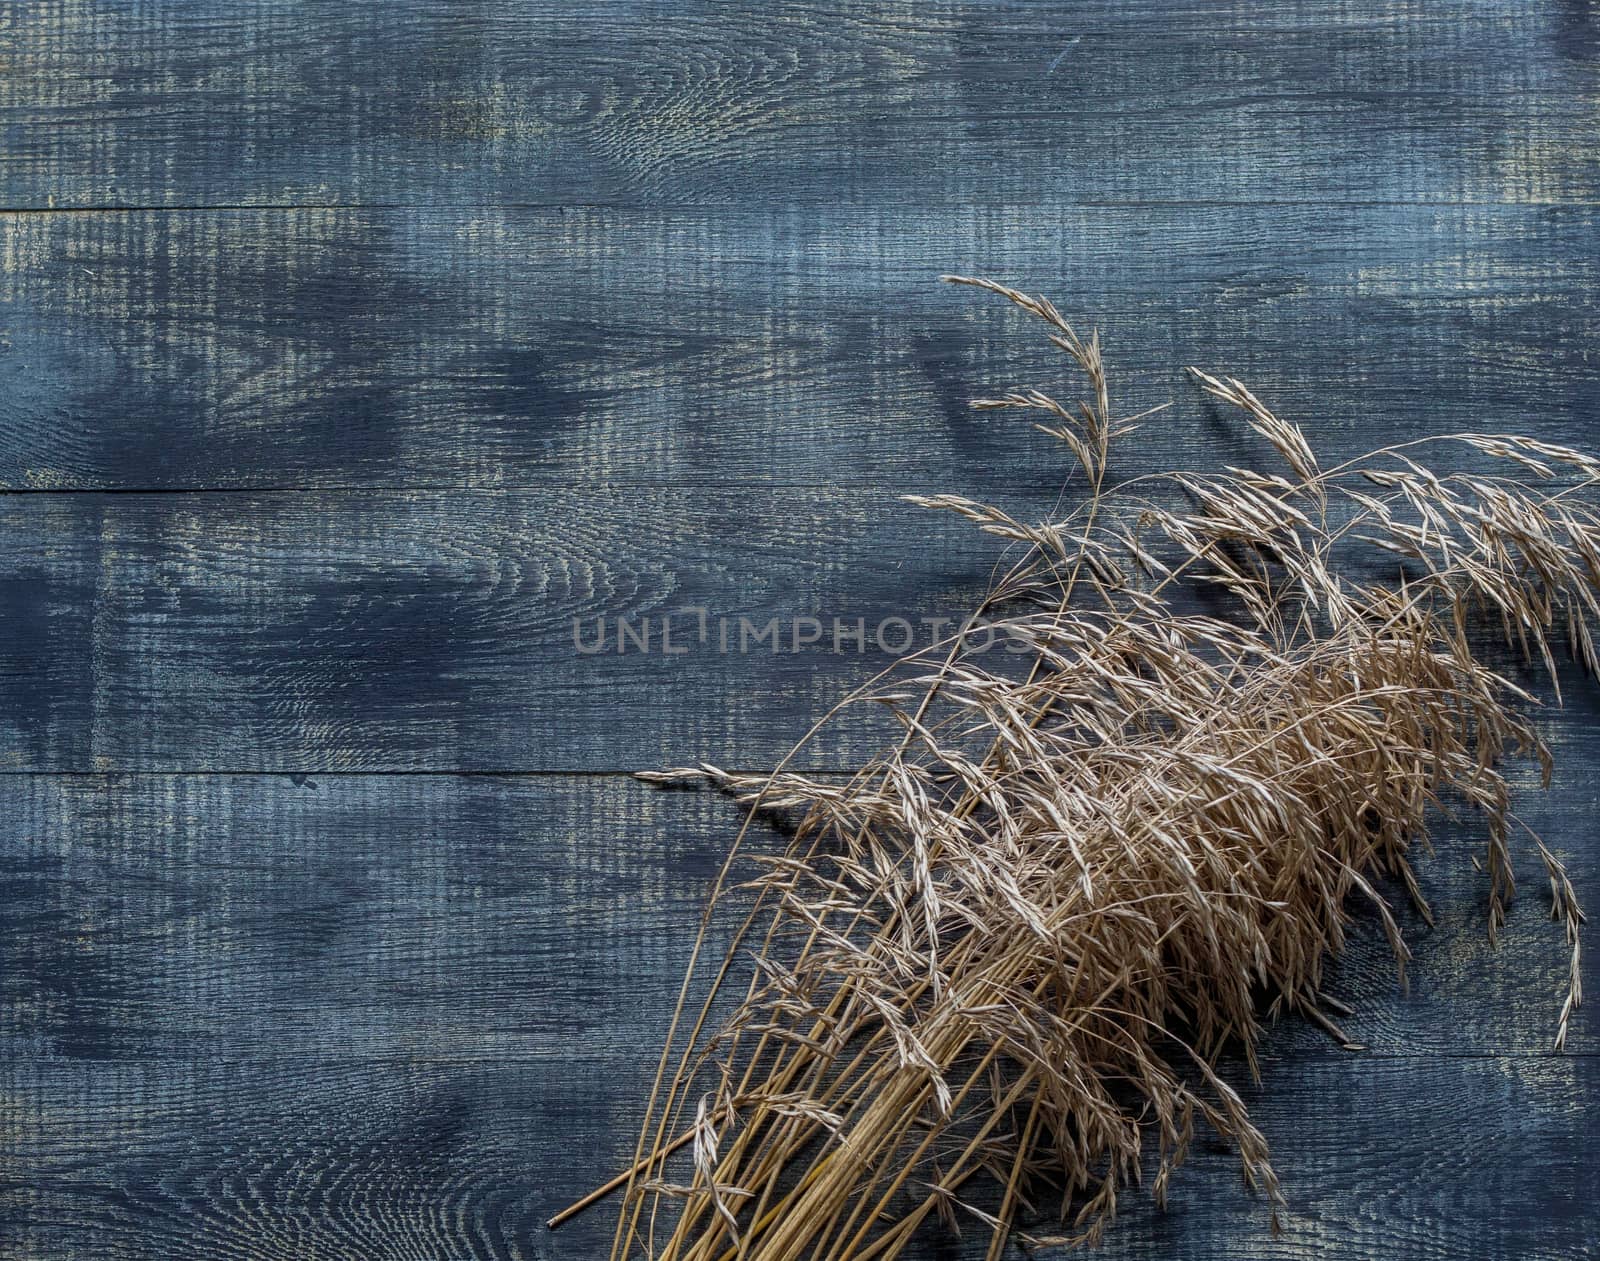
[(1044, 483), (748, 208), (557, 482), (1297, 1056), (392, 773)]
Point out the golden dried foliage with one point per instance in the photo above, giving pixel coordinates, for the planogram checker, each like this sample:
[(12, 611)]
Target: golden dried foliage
[(1004, 958)]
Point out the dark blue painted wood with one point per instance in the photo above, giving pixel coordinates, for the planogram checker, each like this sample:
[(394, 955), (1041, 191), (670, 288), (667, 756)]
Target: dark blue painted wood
[(438, 631), (420, 347), (529, 312), (341, 917), (383, 1160), (814, 102), (399, 1016), (478, 630)]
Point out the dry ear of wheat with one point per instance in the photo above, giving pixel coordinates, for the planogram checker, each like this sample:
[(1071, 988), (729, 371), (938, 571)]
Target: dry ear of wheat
[(1004, 958)]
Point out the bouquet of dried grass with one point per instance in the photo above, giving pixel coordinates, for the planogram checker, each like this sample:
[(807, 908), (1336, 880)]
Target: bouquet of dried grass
[(1008, 953)]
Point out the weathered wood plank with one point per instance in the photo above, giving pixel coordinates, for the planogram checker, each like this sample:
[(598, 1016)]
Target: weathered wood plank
[(442, 631), (391, 1016), (395, 348), (262, 101), (1421, 1159), (461, 631), (478, 918), (449, 917)]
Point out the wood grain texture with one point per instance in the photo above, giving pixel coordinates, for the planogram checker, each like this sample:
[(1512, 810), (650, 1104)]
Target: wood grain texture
[(1426, 1158), (448, 631), (328, 348), (441, 631), (154, 918), (532, 101), (486, 316)]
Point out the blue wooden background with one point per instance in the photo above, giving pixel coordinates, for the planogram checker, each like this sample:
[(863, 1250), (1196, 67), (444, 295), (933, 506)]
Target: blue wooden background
[(349, 352)]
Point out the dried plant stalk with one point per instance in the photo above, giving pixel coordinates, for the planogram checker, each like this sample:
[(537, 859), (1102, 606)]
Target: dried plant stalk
[(1009, 952)]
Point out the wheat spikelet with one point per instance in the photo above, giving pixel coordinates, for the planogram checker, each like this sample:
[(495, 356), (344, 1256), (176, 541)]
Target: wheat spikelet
[(1005, 956)]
